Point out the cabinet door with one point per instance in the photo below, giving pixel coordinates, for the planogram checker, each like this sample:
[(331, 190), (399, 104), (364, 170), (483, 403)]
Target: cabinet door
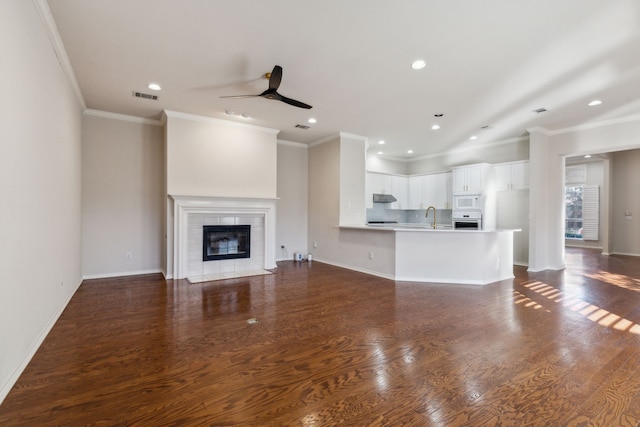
[(415, 192), (474, 180), (428, 191), (400, 190), (520, 176), (443, 190), (459, 181), (503, 177), (376, 183)]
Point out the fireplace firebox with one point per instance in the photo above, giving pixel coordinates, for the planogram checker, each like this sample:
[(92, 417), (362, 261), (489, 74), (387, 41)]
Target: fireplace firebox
[(226, 242)]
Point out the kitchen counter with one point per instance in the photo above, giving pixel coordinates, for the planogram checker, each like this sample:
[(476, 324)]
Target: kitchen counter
[(424, 254)]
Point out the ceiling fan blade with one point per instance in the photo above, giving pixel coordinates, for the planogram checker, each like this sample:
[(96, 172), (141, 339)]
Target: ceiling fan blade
[(276, 77), (240, 96), (294, 102)]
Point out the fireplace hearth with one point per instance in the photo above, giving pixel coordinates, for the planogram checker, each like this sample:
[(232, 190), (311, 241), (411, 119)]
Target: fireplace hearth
[(221, 242)]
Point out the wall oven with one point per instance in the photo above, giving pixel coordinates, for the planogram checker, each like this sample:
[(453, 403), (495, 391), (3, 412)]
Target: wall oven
[(467, 220)]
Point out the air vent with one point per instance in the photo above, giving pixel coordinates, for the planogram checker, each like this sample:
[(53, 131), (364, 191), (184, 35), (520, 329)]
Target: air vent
[(487, 127), (145, 96), (539, 110), (302, 127)]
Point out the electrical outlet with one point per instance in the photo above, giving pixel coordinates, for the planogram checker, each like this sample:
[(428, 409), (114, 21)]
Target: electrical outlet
[(315, 244), (371, 255), (129, 256)]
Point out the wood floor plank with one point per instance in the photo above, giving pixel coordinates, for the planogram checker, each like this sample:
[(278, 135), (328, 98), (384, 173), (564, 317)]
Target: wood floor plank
[(337, 347)]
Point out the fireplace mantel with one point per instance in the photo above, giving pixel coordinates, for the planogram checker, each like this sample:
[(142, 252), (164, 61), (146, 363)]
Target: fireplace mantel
[(183, 206)]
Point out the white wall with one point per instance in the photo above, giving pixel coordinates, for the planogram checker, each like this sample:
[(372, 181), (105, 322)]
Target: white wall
[(40, 213), (291, 221), (122, 195), (547, 179), (509, 151), (352, 180), (339, 246), (625, 170), (379, 164), (210, 157)]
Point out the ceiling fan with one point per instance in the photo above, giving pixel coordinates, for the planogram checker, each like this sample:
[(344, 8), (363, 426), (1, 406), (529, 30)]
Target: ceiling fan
[(274, 77)]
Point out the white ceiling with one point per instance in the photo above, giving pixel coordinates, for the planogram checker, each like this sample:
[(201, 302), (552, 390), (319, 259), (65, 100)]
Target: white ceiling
[(489, 62)]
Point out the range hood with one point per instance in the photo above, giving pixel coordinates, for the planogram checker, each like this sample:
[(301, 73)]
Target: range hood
[(384, 198)]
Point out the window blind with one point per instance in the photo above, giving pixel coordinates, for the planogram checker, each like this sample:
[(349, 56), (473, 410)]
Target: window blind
[(590, 212)]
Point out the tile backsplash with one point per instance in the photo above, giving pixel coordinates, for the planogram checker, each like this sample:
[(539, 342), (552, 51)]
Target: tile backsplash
[(380, 213)]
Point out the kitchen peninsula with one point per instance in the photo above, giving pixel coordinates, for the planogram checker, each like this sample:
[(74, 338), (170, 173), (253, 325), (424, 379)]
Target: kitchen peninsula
[(422, 254)]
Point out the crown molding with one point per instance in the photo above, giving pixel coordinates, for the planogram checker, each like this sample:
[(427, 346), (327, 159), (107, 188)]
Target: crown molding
[(338, 135), (123, 117), (292, 144), (473, 148), (42, 7), (596, 125), (220, 122)]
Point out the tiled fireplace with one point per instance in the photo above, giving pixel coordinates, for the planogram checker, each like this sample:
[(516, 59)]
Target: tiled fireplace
[(192, 214)]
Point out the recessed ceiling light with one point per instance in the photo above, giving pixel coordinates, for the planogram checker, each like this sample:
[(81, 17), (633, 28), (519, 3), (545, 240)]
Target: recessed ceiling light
[(595, 102), (435, 127), (379, 152), (154, 86), (228, 112), (409, 151), (244, 115), (381, 142), (312, 120), (540, 110), (588, 156), (473, 137), (418, 64)]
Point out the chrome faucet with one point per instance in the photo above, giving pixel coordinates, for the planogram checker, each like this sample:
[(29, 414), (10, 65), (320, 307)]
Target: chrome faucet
[(434, 215)]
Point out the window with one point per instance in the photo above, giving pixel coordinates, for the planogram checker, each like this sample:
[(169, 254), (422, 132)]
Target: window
[(573, 211), (582, 209)]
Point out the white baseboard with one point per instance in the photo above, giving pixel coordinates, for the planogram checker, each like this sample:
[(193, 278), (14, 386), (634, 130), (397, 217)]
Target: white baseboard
[(360, 270), (122, 274), (624, 253), (6, 387)]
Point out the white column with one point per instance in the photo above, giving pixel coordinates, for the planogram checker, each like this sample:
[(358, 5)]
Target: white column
[(546, 204)]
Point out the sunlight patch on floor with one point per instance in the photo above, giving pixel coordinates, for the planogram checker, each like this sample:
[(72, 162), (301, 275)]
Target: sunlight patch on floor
[(590, 311)]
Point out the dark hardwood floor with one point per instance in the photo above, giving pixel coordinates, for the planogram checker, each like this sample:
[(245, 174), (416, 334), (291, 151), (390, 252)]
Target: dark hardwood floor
[(337, 347)]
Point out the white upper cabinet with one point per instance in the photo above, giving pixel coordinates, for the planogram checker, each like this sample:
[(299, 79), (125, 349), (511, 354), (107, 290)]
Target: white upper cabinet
[(379, 183), (443, 190), (415, 192), (400, 190), (512, 176), (474, 179), (430, 190)]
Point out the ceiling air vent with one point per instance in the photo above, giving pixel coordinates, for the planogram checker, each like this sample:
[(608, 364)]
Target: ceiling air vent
[(302, 127), (487, 127), (539, 110), (145, 95)]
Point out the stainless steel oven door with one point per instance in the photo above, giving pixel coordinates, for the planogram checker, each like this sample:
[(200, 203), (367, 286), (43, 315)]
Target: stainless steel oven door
[(467, 220), (467, 224)]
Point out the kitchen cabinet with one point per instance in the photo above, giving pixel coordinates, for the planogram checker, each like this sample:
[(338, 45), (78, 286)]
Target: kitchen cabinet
[(473, 179), (400, 190), (511, 176), (379, 183), (415, 192), (430, 190), (443, 190)]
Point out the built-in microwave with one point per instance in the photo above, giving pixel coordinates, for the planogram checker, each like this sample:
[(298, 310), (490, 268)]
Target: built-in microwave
[(467, 202)]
